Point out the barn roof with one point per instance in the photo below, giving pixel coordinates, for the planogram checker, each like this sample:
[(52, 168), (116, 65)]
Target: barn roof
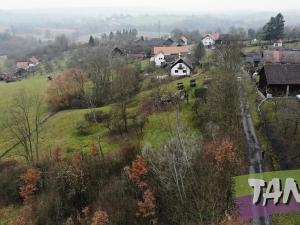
[(150, 42), (282, 73), (168, 42), (287, 56), (252, 57), (173, 49)]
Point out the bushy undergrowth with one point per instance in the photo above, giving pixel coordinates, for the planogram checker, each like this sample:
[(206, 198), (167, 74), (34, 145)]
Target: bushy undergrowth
[(130, 187)]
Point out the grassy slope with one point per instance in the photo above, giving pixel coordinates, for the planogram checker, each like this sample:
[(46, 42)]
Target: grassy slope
[(8, 91), (60, 130)]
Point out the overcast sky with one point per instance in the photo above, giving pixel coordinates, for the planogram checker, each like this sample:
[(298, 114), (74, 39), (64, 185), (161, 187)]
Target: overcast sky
[(159, 5)]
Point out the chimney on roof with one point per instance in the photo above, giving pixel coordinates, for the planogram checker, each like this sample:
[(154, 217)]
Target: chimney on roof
[(276, 56)]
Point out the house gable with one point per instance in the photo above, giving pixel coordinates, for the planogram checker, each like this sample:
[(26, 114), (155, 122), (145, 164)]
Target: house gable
[(181, 68)]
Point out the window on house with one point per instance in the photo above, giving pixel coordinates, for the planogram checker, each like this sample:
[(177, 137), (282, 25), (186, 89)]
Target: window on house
[(176, 71), (184, 71)]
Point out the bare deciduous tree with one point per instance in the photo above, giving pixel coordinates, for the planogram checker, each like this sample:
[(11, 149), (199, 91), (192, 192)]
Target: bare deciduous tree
[(24, 123)]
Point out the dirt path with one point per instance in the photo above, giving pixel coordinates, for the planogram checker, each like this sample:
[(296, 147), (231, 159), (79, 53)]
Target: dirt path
[(253, 147)]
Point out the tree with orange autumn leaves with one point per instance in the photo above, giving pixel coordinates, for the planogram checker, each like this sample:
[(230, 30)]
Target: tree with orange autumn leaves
[(222, 153), (27, 192), (64, 87), (136, 174), (100, 218), (30, 178)]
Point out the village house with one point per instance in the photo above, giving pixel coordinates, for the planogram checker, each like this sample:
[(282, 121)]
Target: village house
[(158, 59), (166, 54), (26, 66), (278, 43), (181, 68), (182, 41), (22, 67), (280, 79), (210, 39), (117, 52)]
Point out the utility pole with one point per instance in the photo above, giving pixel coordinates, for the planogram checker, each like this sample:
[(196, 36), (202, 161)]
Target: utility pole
[(159, 29)]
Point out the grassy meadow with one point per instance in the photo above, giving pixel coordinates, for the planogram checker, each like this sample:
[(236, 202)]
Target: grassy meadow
[(60, 130), (8, 92)]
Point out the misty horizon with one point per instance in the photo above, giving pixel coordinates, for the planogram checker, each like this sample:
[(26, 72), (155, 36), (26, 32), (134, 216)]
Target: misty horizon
[(153, 7)]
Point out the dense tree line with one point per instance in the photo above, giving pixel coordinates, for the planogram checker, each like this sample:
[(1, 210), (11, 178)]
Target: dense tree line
[(124, 35)]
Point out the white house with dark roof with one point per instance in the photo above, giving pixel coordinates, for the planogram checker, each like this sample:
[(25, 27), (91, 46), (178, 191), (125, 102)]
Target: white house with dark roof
[(158, 59), (181, 68)]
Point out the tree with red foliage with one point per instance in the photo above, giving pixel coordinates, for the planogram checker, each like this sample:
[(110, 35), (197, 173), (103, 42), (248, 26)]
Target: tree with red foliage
[(136, 173), (100, 218), (137, 170), (31, 178), (147, 207), (222, 153)]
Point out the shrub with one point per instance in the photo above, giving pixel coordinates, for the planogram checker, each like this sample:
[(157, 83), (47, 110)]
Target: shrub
[(10, 172), (96, 116), (82, 128)]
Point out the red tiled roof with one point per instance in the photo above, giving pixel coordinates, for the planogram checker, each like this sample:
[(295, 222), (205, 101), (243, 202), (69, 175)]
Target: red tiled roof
[(215, 36), (22, 65), (171, 50)]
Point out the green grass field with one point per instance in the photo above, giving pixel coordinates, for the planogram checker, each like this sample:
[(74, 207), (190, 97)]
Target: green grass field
[(60, 130), (8, 92)]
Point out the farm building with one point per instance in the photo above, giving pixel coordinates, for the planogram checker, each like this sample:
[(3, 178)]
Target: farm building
[(284, 56), (173, 50), (280, 79), (252, 58)]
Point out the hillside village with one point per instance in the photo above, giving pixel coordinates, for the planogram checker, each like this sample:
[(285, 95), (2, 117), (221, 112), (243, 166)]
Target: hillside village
[(126, 129)]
